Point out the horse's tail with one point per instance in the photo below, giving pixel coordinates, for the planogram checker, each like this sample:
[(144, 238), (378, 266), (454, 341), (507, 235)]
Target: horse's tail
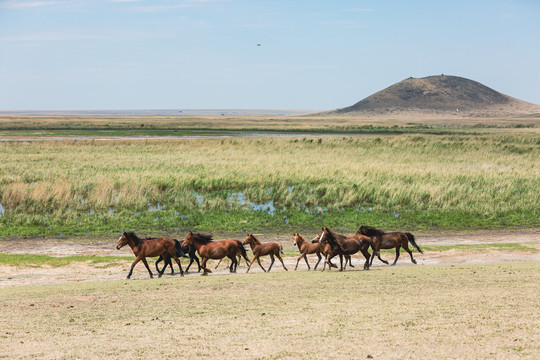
[(243, 252), (179, 251), (411, 240)]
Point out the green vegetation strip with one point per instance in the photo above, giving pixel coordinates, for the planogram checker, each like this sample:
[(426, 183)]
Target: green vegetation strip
[(286, 185)]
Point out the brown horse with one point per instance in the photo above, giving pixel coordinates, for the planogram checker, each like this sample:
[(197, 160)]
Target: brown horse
[(307, 248), (391, 240), (259, 249), (347, 245), (329, 254), (209, 249), (149, 248)]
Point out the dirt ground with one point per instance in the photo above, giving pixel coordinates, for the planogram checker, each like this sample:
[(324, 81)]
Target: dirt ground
[(87, 271)]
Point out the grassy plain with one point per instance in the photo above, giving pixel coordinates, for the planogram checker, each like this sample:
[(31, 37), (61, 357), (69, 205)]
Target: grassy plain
[(462, 311), (285, 184)]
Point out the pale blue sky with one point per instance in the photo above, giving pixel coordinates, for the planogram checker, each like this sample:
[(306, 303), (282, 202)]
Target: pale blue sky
[(168, 54)]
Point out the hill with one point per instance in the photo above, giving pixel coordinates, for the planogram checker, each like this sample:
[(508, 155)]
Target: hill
[(440, 95)]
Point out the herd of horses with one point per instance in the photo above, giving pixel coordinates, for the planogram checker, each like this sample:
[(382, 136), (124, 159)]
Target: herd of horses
[(327, 243)]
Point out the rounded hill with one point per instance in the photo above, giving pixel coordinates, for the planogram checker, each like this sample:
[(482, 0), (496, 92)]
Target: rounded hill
[(440, 95)]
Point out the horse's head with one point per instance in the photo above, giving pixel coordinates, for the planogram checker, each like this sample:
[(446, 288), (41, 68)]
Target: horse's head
[(122, 241), (188, 241), (296, 238), (323, 235), (249, 239)]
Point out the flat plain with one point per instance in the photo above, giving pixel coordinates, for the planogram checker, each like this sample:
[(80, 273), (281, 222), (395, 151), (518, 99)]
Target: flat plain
[(64, 201)]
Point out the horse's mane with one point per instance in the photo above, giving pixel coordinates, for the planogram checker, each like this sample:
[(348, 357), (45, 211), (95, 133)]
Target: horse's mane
[(370, 231), (336, 237), (131, 235), (255, 240), (202, 238)]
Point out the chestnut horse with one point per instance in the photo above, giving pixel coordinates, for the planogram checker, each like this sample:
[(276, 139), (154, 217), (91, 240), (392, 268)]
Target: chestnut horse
[(348, 245), (307, 248), (239, 256), (391, 240), (209, 249), (259, 249), (148, 248)]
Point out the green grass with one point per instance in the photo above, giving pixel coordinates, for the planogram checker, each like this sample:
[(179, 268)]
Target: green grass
[(56, 261), (394, 182)]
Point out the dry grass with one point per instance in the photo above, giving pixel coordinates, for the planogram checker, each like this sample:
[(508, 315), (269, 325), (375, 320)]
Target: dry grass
[(479, 311)]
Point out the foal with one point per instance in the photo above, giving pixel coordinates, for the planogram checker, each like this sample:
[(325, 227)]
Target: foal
[(307, 248), (259, 249)]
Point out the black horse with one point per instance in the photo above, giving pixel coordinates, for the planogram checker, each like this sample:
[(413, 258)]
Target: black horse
[(181, 251)]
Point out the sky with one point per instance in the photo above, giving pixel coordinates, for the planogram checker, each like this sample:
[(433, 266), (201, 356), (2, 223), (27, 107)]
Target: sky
[(205, 54)]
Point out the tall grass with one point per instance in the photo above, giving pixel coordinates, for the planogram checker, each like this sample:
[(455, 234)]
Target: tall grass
[(412, 180)]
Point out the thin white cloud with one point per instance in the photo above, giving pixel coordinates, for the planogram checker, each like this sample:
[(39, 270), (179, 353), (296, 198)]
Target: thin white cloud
[(27, 4), (170, 5)]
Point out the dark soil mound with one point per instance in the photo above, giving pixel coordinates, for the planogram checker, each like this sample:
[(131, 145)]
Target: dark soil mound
[(443, 95)]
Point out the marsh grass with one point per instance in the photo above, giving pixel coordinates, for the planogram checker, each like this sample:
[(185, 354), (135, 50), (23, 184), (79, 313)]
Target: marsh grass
[(413, 181), (485, 311)]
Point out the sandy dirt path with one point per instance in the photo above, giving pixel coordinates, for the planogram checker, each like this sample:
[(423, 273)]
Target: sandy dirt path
[(87, 271)]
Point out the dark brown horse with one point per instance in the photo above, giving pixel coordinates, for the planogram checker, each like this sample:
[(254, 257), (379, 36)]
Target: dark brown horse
[(347, 245), (330, 252), (180, 252), (209, 249), (307, 248), (149, 248), (391, 240), (259, 249)]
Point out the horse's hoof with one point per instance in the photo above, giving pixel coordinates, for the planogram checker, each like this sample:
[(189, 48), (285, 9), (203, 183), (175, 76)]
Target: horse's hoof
[(182, 274), (414, 261)]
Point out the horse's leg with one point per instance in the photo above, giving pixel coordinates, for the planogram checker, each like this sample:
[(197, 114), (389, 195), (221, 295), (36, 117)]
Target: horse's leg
[(179, 264), (148, 268), (406, 248), (367, 256), (307, 262), (397, 255), (271, 262), (340, 262), (350, 261), (297, 261), (190, 262), (252, 261), (133, 265), (219, 262), (282, 263), (203, 265), (198, 263), (259, 262), (320, 257), (381, 259), (157, 262)]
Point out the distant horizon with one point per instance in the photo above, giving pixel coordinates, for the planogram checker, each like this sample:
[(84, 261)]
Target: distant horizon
[(160, 112)]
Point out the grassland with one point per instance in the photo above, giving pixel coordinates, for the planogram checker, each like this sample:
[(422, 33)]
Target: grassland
[(413, 181), (463, 311)]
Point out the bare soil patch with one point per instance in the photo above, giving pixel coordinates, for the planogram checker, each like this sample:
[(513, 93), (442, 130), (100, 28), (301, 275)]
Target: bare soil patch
[(117, 270)]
